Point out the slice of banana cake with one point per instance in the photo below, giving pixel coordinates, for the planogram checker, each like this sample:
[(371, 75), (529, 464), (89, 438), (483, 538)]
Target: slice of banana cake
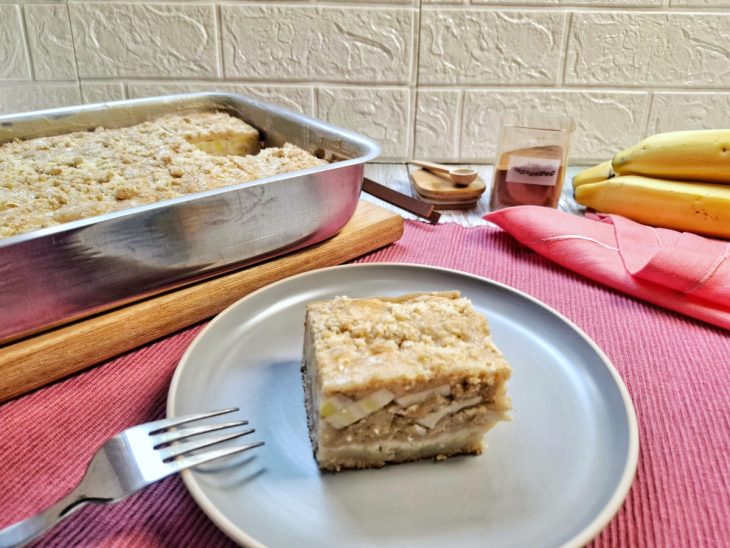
[(390, 380)]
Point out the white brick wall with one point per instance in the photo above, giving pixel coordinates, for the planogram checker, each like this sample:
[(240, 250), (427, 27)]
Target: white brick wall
[(425, 78)]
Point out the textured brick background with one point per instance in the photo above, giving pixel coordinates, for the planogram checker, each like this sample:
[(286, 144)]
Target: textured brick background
[(426, 78)]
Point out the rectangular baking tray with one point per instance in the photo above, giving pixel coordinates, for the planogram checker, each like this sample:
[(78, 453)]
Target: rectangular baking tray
[(63, 273)]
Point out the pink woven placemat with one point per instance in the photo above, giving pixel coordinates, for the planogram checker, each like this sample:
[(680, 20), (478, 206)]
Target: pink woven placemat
[(676, 369)]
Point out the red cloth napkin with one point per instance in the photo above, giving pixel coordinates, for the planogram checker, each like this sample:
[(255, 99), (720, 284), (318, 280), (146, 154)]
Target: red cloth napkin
[(677, 270)]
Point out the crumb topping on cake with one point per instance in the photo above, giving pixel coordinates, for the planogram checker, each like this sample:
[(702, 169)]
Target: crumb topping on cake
[(53, 180), (376, 342)]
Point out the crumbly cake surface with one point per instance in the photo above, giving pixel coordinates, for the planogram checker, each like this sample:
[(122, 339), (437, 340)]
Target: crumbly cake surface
[(400, 379), (363, 344), (214, 132), (53, 180)]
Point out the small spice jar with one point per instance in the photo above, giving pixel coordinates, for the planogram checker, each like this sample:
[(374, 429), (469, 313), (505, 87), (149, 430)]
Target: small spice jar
[(532, 154)]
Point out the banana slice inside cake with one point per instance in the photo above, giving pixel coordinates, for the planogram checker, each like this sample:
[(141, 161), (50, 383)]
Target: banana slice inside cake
[(390, 380)]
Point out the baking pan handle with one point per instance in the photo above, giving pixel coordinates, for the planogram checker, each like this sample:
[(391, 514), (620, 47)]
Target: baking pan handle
[(398, 199)]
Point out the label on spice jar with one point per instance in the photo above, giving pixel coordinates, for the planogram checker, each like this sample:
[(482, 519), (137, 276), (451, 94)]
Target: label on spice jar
[(533, 171)]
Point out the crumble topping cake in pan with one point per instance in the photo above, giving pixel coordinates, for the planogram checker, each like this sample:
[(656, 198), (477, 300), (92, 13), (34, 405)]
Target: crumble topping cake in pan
[(53, 180), (390, 380), (102, 205)]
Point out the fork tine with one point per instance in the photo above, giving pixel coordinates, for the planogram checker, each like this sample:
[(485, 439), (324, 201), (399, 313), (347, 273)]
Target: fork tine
[(169, 453), (163, 424), (195, 460), (164, 438)]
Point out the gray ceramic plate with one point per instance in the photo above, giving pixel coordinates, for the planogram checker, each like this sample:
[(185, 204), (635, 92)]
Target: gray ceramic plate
[(553, 476)]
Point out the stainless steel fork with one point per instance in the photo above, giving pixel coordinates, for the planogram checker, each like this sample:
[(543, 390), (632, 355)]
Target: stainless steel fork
[(131, 460)]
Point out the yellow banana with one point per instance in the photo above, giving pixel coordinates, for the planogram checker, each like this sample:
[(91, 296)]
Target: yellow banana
[(703, 208), (700, 155), (594, 174)]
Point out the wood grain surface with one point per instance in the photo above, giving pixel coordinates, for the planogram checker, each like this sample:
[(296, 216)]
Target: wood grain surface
[(47, 357), (430, 185)]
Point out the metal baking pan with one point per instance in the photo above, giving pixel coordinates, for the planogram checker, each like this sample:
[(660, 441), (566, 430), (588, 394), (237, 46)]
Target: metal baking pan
[(62, 273)]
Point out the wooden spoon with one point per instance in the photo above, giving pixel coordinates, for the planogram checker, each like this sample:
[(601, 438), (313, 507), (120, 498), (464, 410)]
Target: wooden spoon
[(460, 176)]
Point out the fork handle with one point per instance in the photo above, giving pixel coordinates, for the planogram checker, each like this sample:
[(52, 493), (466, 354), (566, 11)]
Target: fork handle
[(24, 531)]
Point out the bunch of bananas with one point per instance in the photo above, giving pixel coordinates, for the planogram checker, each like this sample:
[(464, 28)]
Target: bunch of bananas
[(678, 180)]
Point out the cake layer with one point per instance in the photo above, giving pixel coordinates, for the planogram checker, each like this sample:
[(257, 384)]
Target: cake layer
[(379, 453), (388, 424)]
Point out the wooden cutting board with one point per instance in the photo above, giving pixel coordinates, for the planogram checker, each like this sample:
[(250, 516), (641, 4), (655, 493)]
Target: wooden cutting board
[(52, 355)]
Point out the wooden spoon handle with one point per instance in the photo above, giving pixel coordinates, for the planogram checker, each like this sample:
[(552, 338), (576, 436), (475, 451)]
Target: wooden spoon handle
[(431, 166)]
